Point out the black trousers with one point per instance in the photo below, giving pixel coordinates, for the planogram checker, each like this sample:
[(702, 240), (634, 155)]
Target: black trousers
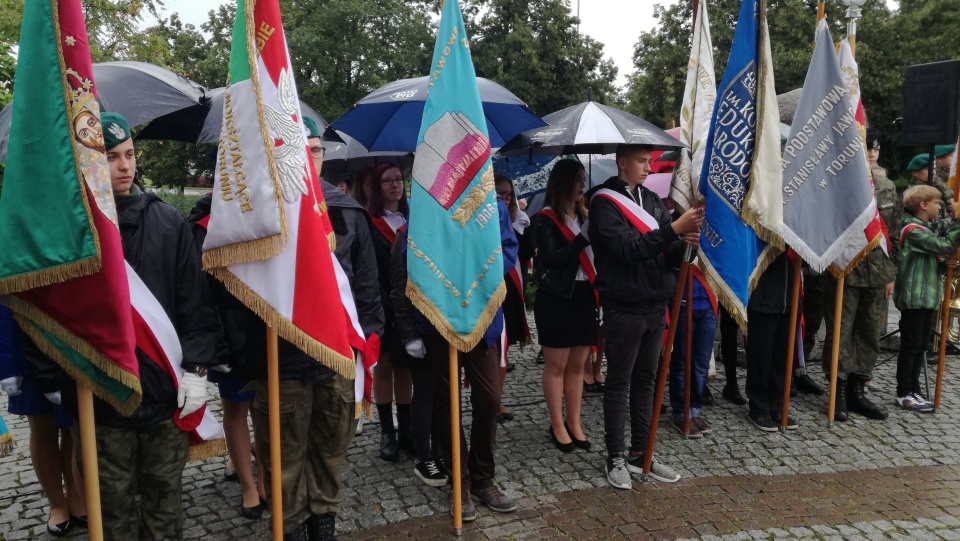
[(916, 326), (766, 361)]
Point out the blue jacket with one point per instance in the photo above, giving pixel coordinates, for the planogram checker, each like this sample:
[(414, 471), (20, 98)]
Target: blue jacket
[(11, 359)]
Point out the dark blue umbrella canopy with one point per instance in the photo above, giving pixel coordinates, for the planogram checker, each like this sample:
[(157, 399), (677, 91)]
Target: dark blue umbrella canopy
[(590, 128), (388, 119)]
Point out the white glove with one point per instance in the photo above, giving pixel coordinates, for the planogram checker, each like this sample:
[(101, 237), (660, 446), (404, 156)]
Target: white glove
[(192, 394), (585, 230), (11, 386), (416, 349), (53, 397)]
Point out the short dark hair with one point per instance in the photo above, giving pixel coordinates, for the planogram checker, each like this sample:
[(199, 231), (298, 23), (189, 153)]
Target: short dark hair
[(623, 150)]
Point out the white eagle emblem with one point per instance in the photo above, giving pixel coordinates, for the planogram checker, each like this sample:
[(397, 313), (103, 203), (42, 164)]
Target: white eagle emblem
[(117, 131), (291, 155)]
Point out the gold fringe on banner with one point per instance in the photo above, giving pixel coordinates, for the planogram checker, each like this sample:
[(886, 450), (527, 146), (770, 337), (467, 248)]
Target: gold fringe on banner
[(363, 407), (463, 343), (345, 366), (52, 275), (838, 273), (207, 449), (28, 315), (6, 444), (244, 252)]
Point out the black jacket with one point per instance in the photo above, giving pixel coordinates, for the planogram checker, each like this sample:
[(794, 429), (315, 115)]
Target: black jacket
[(773, 290), (159, 246), (557, 261), (633, 269)]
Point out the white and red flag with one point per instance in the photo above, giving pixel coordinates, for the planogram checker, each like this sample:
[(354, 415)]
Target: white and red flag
[(269, 238)]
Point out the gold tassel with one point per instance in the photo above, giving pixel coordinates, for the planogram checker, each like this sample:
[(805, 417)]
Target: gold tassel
[(50, 276), (208, 449), (27, 315), (463, 343), (6, 444), (243, 252)]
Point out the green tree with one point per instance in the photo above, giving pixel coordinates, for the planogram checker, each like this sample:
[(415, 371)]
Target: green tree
[(532, 48)]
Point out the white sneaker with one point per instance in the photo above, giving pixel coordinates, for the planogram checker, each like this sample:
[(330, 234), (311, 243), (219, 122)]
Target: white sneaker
[(359, 426)]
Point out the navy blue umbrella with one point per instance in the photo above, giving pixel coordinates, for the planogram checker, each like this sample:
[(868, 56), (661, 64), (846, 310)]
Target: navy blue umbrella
[(388, 119)]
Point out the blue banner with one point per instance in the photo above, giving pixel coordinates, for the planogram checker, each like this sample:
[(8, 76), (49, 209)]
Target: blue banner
[(454, 260), (731, 253)]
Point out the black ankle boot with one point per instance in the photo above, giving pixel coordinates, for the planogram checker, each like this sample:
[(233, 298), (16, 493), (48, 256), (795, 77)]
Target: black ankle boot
[(299, 535), (857, 401), (840, 410), (322, 527), (389, 450)]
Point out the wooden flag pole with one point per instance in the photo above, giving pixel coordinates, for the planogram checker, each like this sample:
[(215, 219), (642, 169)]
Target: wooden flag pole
[(273, 395), (791, 341), (835, 351), (945, 310), (91, 472), (821, 10), (455, 440), (688, 366), (665, 363)]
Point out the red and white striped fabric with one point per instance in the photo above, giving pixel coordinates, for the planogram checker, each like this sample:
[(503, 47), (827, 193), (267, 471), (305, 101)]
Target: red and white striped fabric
[(367, 348), (634, 213), (157, 338)]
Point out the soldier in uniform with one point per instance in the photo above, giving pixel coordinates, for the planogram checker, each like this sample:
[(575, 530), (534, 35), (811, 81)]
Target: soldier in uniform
[(944, 162), (865, 295)]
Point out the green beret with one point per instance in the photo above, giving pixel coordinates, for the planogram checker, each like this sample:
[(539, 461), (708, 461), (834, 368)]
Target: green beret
[(920, 161), (943, 150), (873, 138), (312, 128), (115, 129)]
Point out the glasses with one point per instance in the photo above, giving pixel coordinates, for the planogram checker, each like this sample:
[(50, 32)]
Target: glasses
[(505, 195), (397, 180), (317, 151)]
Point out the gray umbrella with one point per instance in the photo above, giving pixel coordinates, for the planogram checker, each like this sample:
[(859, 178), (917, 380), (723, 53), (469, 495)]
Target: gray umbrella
[(201, 122), (139, 91), (589, 128), (787, 102), (349, 155)]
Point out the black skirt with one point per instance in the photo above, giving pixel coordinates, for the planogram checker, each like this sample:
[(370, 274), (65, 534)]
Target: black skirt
[(564, 323), (514, 315)]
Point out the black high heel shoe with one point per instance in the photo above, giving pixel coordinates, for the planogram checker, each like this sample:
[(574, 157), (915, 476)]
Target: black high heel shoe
[(80, 522), (251, 513), (580, 444), (60, 530), (564, 447)]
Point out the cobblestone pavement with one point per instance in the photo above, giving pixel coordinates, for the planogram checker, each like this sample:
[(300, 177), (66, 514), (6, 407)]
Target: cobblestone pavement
[(893, 479)]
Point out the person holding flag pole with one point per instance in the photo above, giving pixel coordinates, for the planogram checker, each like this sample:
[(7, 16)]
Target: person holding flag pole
[(459, 247), (270, 241), (948, 292)]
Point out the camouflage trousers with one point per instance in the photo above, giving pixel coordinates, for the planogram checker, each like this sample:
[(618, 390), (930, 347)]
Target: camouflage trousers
[(316, 426), (861, 324), (149, 461)]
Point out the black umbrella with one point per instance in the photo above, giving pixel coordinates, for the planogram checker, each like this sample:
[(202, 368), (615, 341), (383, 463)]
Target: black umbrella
[(349, 155), (201, 123), (589, 128), (139, 91), (389, 118)]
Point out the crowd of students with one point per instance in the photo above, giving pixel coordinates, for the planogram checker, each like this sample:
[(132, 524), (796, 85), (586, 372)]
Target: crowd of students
[(605, 266)]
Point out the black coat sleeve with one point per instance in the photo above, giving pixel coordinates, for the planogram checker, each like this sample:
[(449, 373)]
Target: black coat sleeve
[(366, 278), (405, 324), (196, 319)]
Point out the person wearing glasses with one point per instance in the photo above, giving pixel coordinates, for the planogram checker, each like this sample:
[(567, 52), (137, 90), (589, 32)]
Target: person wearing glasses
[(388, 210)]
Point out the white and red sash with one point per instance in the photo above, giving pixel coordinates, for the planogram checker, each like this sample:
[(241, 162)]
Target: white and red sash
[(910, 227), (569, 228), (634, 213), (367, 349), (385, 229), (157, 338)]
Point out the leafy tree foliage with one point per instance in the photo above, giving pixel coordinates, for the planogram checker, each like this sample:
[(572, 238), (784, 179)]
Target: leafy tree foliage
[(532, 48)]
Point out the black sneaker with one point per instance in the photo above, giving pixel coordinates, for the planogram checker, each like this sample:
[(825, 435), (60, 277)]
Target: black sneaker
[(430, 474), (791, 423), (763, 422)]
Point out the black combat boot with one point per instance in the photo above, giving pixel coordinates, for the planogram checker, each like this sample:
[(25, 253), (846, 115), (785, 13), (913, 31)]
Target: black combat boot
[(322, 527), (299, 535), (857, 401), (840, 410)]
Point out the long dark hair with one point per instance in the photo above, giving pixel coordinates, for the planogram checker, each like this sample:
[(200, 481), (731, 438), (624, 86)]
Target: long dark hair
[(514, 207), (375, 204), (561, 186)]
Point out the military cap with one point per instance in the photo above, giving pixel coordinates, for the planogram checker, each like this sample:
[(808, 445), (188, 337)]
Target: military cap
[(115, 129), (312, 128), (920, 161), (873, 138), (943, 150)]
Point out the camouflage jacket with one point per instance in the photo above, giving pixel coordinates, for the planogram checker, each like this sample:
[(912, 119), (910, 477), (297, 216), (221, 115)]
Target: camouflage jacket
[(877, 269)]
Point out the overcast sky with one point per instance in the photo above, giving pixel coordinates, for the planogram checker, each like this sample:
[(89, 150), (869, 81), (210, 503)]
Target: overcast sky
[(615, 23)]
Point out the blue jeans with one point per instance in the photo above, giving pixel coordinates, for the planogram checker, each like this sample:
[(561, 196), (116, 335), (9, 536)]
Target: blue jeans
[(704, 329)]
